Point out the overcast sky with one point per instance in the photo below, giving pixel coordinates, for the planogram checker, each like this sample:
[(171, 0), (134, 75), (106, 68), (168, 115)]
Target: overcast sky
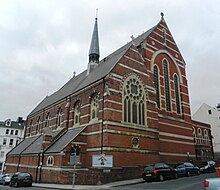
[(42, 42)]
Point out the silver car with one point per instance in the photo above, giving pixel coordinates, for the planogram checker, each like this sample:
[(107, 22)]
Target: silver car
[(212, 184)]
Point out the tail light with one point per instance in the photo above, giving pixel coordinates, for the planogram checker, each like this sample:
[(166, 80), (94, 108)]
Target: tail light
[(206, 184), (155, 171)]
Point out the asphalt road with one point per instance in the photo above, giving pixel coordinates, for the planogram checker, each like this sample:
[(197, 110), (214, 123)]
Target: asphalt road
[(183, 183)]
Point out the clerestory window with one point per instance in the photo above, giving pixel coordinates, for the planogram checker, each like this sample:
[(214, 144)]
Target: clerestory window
[(94, 107), (77, 113)]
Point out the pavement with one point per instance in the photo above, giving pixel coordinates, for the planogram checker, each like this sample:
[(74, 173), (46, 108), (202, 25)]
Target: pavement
[(89, 187)]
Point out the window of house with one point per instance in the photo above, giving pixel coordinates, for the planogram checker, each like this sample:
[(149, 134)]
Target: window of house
[(94, 107), (7, 131), (4, 141), (50, 161), (11, 142), (210, 112), (167, 85), (77, 113), (133, 101), (16, 132), (12, 132), (177, 93), (2, 154), (59, 117), (157, 85)]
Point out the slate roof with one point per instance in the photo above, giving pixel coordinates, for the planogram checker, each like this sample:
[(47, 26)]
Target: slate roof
[(82, 80), (61, 143), (23, 145), (35, 147)]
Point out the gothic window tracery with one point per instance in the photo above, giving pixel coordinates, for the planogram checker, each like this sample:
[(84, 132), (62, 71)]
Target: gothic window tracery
[(134, 101)]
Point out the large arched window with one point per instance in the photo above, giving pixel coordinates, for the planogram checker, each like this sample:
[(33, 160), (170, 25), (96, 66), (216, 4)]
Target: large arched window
[(167, 84), (94, 107), (177, 93), (157, 85), (77, 113), (133, 101)]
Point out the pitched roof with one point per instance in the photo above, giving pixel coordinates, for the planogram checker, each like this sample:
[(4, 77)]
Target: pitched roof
[(82, 80), (35, 147), (61, 143), (23, 145)]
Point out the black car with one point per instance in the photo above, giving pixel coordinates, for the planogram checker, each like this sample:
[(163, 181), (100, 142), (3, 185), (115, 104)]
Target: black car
[(21, 179), (2, 178), (158, 172)]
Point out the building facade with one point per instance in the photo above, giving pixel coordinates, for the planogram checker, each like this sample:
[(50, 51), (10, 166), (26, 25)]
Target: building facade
[(210, 115), (126, 111), (11, 134)]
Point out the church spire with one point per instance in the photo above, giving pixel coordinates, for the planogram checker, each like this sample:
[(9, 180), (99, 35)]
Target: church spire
[(94, 49)]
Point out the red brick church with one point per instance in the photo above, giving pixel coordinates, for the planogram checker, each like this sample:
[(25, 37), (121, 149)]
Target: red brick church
[(123, 112)]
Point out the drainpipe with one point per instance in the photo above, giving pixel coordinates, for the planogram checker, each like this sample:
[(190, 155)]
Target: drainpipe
[(41, 165), (103, 99), (38, 164)]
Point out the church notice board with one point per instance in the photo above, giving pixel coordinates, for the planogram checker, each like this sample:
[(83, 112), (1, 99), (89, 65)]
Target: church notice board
[(102, 160)]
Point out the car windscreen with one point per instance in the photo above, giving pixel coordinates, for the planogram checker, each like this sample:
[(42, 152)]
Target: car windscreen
[(24, 175), (149, 168)]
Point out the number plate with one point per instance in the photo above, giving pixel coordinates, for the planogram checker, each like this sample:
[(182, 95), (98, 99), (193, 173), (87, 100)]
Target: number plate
[(148, 174)]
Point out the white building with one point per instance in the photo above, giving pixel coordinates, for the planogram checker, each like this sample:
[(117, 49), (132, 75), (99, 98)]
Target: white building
[(11, 134), (210, 115)]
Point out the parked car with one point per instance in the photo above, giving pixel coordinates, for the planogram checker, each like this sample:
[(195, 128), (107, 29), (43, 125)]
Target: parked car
[(208, 167), (187, 169), (212, 183), (158, 172), (7, 179), (1, 178), (21, 179)]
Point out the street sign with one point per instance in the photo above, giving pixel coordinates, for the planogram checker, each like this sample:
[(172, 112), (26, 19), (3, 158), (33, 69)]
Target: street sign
[(102, 160)]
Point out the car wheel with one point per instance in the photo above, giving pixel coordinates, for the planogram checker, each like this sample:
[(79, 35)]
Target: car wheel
[(188, 174), (176, 176), (161, 178)]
